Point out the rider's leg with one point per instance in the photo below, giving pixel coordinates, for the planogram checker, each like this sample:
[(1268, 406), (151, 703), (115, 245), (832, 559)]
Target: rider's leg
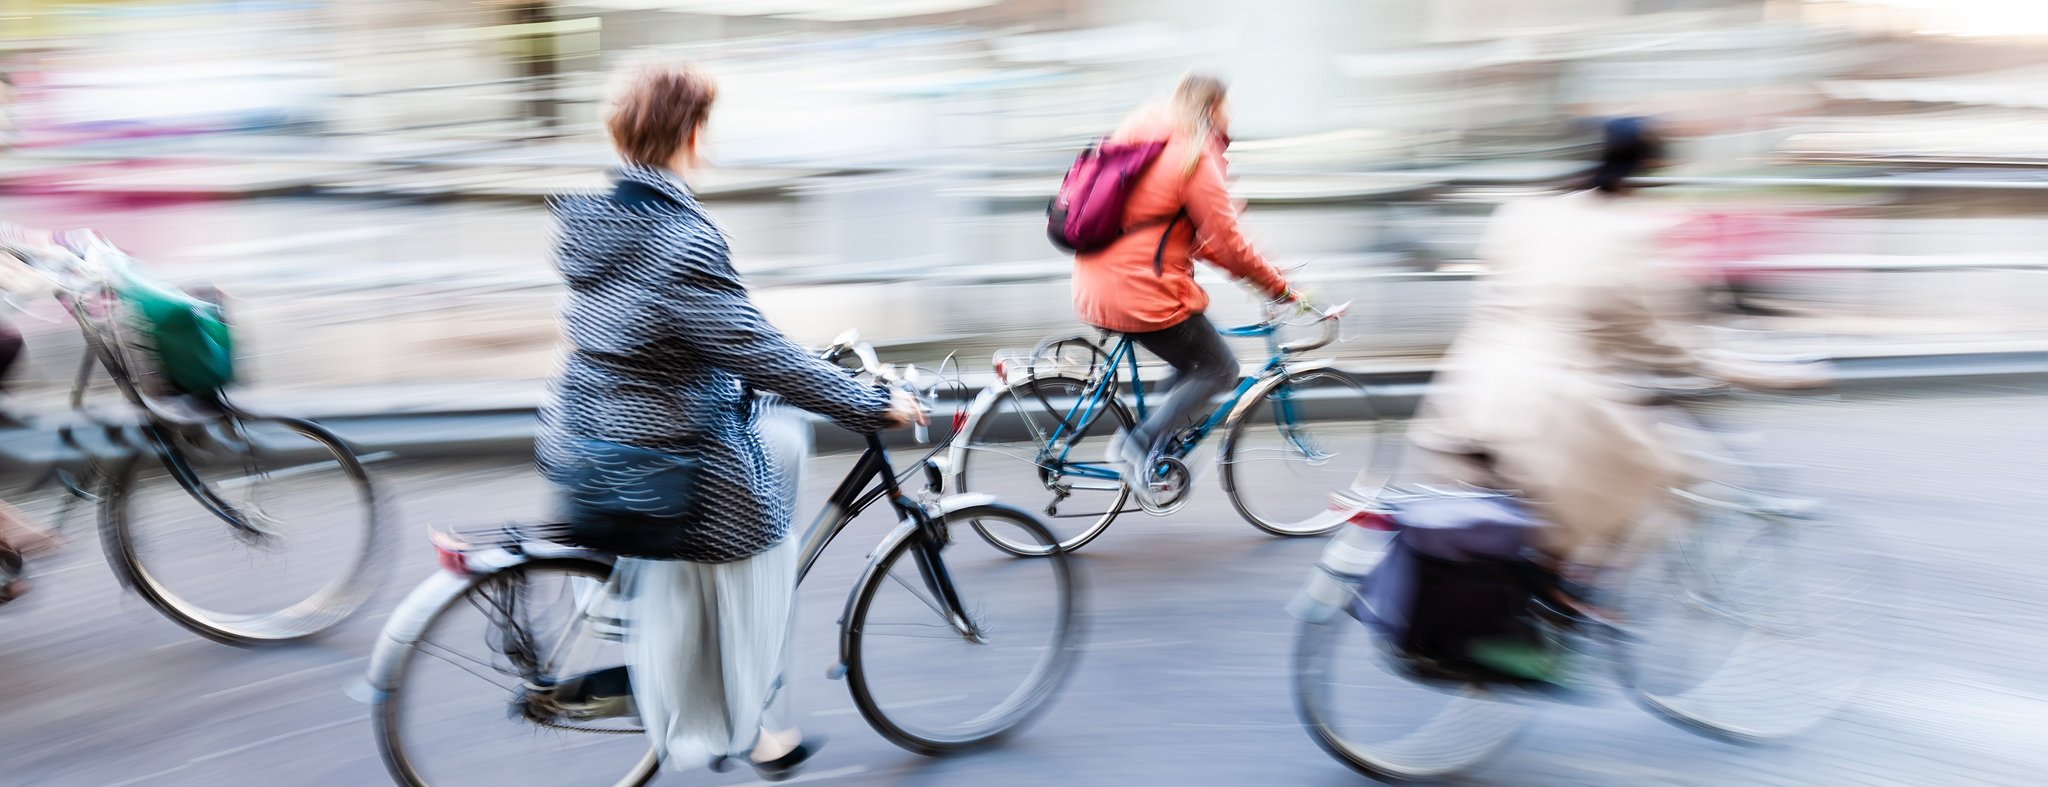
[(787, 441), (1203, 367), (709, 643)]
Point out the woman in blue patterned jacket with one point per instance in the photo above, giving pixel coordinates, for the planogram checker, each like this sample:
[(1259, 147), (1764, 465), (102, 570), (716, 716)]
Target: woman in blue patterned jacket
[(665, 348)]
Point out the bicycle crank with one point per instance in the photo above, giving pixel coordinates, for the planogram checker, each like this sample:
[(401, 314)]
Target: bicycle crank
[(1171, 484)]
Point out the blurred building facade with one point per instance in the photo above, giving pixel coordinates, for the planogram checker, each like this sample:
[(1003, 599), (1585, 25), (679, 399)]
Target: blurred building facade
[(1348, 84)]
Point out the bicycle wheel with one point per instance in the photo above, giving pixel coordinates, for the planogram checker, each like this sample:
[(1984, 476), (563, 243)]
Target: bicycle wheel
[(476, 699), (923, 683), (1362, 711), (271, 535), (1036, 442), (1749, 627), (1313, 434)]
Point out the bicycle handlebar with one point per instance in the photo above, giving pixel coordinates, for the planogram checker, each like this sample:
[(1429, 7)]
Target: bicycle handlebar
[(1329, 318), (74, 262), (1681, 392), (871, 364)]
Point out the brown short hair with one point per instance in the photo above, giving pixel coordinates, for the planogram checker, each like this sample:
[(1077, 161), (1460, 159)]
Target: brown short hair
[(655, 109)]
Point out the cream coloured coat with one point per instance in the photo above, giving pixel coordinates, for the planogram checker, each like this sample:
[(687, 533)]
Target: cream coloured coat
[(1574, 308)]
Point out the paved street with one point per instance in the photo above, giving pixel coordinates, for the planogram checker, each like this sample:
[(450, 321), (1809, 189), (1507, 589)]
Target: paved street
[(1183, 677)]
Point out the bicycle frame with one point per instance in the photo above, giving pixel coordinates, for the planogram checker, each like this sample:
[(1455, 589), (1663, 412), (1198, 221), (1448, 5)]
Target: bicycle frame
[(873, 478), (103, 350), (1126, 353)]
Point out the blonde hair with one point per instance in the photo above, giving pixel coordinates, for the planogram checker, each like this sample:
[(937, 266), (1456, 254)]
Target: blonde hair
[(1194, 102), (1188, 112), (655, 110)]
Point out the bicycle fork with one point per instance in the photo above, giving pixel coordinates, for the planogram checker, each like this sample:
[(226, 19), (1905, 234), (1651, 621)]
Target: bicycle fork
[(931, 567)]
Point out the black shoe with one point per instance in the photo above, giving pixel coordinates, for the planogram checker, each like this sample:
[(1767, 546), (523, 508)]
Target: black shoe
[(604, 694), (788, 765)]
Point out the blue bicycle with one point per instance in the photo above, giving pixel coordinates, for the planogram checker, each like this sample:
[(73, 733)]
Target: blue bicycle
[(1293, 432)]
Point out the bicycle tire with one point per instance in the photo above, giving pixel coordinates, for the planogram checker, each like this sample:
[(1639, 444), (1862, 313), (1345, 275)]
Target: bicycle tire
[(1314, 517), (1028, 400), (397, 756), (332, 603), (1021, 705), (1799, 651), (1315, 656)]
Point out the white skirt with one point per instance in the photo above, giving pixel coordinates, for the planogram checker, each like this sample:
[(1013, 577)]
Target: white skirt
[(708, 644)]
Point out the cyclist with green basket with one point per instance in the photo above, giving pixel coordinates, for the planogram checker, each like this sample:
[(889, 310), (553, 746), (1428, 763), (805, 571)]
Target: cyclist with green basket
[(190, 337)]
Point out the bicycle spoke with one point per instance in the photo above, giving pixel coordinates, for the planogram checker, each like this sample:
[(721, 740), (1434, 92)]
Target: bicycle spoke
[(1017, 610), (1271, 453), (517, 632), (946, 631), (1050, 469), (929, 602), (1038, 434), (296, 536), (444, 654), (1000, 451), (1381, 722)]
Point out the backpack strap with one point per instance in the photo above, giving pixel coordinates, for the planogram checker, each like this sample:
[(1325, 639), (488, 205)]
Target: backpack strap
[(1187, 173), (1159, 255)]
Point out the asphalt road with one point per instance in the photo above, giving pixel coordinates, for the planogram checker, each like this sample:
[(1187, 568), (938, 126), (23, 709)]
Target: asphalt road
[(1183, 679)]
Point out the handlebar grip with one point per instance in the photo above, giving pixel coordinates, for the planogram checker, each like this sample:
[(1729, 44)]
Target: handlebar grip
[(1305, 345)]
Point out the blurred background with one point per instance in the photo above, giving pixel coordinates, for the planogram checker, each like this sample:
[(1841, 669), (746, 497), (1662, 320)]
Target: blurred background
[(366, 177), (365, 180)]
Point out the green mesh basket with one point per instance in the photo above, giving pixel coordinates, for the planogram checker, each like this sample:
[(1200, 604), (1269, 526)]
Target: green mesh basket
[(189, 337)]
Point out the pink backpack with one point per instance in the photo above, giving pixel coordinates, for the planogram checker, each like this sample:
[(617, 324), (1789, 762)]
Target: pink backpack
[(1088, 213)]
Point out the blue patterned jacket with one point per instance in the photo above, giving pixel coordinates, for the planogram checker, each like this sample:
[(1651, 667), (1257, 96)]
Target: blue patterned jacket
[(664, 345)]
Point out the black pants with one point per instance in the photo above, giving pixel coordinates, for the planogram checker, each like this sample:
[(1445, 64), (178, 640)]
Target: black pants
[(1203, 367), (10, 352)]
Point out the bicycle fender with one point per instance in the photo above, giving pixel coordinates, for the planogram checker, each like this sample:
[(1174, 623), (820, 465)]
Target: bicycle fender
[(904, 530), (405, 626), (956, 454), (1265, 386), (959, 501)]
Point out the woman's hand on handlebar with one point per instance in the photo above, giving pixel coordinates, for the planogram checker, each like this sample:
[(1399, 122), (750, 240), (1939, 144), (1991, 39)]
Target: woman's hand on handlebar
[(904, 409), (1782, 377), (1769, 375)]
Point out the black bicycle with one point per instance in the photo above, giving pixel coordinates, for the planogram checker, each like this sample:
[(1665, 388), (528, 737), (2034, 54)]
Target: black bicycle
[(946, 642), (246, 529)]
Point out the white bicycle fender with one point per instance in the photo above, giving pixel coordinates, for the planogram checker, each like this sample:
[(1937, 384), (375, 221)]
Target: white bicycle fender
[(963, 500), (1258, 392), (405, 626)]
